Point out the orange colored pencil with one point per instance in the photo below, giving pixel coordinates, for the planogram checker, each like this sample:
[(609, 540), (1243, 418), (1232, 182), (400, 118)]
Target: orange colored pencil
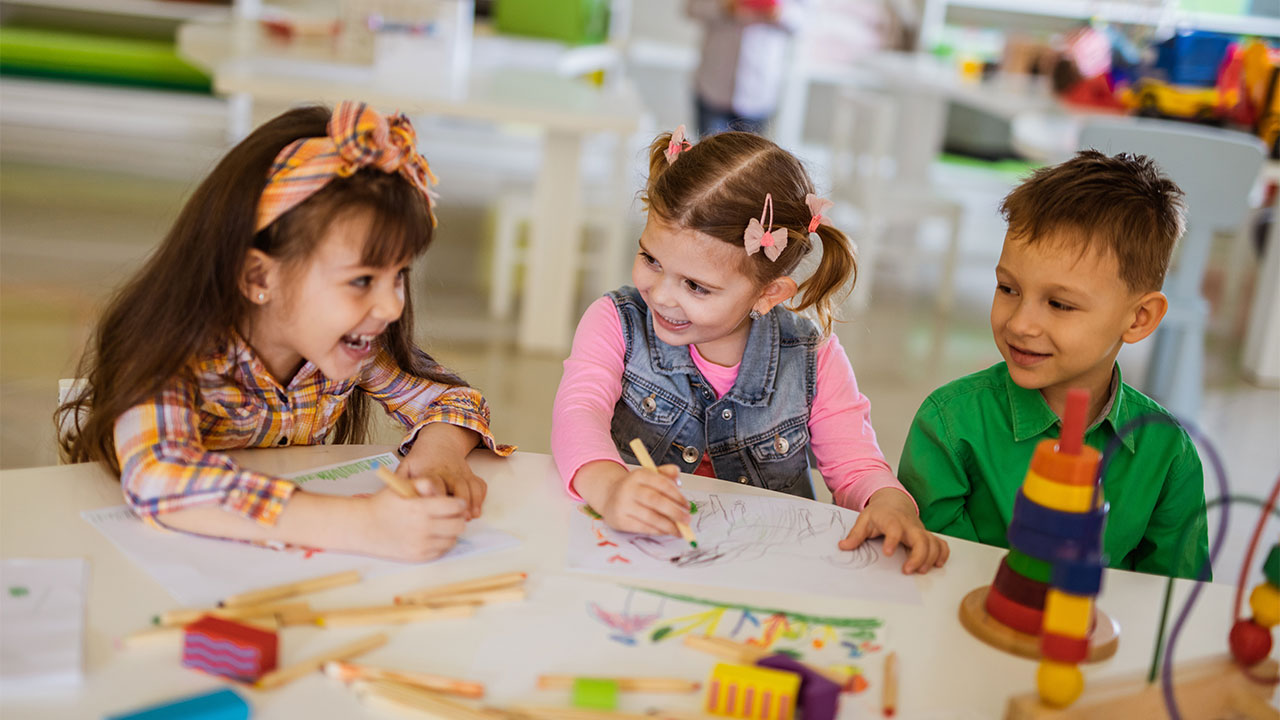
[(347, 672)]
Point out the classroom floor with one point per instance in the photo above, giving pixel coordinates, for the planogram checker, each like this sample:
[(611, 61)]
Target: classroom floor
[(67, 237)]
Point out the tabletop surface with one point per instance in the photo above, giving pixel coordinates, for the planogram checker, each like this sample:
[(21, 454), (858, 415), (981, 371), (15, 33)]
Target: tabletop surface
[(946, 673)]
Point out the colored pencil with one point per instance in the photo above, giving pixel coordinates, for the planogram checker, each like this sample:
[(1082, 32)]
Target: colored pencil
[(536, 712), (402, 487), (492, 582), (285, 675), (407, 697), (890, 689), (390, 615), (646, 462), (301, 587), (186, 616), (625, 684), (745, 654), (349, 672)]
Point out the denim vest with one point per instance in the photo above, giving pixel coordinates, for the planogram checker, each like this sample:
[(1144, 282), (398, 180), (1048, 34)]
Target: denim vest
[(757, 434)]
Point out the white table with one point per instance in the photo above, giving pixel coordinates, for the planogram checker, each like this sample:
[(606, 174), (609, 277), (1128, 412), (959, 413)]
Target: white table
[(946, 672), (248, 66)]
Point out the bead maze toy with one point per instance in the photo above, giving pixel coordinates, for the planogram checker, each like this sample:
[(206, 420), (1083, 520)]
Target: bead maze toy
[(1062, 555), (1041, 602)]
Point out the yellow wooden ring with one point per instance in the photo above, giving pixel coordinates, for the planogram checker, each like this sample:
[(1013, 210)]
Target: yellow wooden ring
[(1057, 496)]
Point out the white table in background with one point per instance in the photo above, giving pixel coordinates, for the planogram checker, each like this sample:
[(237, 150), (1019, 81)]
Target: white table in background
[(247, 65), (946, 672)]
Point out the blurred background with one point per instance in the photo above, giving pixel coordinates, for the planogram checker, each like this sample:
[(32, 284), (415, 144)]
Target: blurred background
[(914, 116)]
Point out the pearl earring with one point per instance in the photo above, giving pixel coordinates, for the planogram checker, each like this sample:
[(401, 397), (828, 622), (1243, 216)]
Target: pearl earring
[(262, 297)]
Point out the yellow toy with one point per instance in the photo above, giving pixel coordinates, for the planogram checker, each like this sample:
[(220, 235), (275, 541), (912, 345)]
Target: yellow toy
[(741, 691)]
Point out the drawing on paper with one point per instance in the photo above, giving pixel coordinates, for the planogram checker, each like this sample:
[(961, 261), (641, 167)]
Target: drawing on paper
[(746, 534)]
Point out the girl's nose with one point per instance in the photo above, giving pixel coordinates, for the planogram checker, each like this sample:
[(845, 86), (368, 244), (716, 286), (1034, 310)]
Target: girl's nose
[(389, 303)]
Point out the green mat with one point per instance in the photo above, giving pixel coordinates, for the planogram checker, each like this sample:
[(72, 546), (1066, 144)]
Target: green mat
[(97, 58)]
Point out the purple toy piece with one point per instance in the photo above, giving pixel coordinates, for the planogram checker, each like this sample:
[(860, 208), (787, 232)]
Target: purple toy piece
[(819, 696)]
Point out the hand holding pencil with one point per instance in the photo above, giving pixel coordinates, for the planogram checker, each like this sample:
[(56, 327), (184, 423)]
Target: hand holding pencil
[(643, 500)]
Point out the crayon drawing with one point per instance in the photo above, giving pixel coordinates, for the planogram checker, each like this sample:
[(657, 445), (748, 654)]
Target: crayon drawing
[(748, 541)]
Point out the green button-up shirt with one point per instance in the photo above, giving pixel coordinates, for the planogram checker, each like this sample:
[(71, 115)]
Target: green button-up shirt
[(971, 442)]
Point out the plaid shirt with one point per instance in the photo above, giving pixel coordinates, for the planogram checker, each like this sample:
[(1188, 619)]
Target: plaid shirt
[(169, 447)]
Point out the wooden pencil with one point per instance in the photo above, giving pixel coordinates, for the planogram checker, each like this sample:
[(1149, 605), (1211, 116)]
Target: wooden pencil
[(482, 597), (390, 615), (745, 654), (485, 583), (889, 696), (401, 486), (350, 672), (408, 697), (537, 712), (625, 684), (285, 675), (301, 587), (186, 616), (646, 461)]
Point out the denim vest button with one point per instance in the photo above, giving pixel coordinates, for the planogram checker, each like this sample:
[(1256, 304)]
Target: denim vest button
[(727, 414), (742, 479), (649, 404), (690, 454), (781, 445)]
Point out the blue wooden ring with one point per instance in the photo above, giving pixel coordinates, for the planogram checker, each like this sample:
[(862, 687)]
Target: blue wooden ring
[(1067, 525)]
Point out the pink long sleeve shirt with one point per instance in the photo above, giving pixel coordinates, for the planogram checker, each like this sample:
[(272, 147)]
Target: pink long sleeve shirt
[(840, 433)]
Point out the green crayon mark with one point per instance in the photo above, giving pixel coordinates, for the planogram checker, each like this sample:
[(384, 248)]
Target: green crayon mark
[(18, 591), (693, 507), (591, 513)]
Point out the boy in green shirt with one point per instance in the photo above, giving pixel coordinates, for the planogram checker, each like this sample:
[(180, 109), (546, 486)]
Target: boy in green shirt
[(1084, 258)]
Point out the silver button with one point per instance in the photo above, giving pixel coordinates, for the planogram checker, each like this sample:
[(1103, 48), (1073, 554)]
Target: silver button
[(742, 480), (780, 444), (649, 404), (727, 414), (691, 454)]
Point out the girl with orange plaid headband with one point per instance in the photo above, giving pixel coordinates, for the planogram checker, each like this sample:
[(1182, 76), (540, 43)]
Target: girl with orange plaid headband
[(274, 310)]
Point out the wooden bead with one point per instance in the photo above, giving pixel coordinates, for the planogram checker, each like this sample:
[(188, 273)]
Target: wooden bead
[(1069, 615), (1064, 649), (1025, 565), (1019, 588), (1058, 522), (1079, 469), (1059, 496), (1059, 684), (1010, 614), (1265, 603), (1250, 642)]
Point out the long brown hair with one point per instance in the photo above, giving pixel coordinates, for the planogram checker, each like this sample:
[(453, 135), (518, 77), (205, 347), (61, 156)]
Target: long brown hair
[(719, 184), (186, 298)]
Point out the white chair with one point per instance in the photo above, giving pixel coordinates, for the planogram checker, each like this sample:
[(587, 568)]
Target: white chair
[(1216, 169), (866, 179)]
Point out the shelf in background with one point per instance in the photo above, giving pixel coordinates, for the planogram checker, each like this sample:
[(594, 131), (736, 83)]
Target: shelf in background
[(1129, 13), (159, 9)]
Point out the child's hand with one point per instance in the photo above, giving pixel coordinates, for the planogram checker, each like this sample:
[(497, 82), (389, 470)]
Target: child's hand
[(412, 529), (891, 513), (644, 501), (439, 456)]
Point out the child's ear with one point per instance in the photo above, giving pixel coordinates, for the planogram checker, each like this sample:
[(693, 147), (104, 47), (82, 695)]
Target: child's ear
[(259, 278), (776, 291), (1147, 314)]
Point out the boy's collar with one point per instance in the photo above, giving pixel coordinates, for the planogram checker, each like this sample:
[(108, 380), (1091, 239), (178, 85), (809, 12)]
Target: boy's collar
[(1031, 416)]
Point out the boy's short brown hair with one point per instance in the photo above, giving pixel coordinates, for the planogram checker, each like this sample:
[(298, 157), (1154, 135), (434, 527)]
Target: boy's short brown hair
[(1123, 204)]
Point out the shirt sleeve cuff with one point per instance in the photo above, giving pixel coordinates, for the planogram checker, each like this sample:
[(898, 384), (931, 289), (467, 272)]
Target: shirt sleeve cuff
[(259, 498), (464, 419)]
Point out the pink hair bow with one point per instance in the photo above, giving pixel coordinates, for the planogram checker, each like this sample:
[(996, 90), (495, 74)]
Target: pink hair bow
[(818, 208), (756, 238), (677, 145)]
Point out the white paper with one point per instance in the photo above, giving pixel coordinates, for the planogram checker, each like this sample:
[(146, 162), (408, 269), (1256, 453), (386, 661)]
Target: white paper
[(585, 627), (749, 541), (41, 623), (201, 571)]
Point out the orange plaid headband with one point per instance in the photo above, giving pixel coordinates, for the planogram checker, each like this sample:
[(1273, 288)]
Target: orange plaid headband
[(358, 137)]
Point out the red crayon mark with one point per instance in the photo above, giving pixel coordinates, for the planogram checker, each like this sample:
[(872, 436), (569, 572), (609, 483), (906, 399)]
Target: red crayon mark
[(619, 558)]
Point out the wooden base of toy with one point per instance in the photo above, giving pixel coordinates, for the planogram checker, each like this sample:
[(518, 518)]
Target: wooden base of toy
[(974, 617), (1213, 688)]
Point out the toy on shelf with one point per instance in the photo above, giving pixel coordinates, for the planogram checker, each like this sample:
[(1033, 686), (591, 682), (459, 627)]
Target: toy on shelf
[(1041, 602), (225, 647)]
